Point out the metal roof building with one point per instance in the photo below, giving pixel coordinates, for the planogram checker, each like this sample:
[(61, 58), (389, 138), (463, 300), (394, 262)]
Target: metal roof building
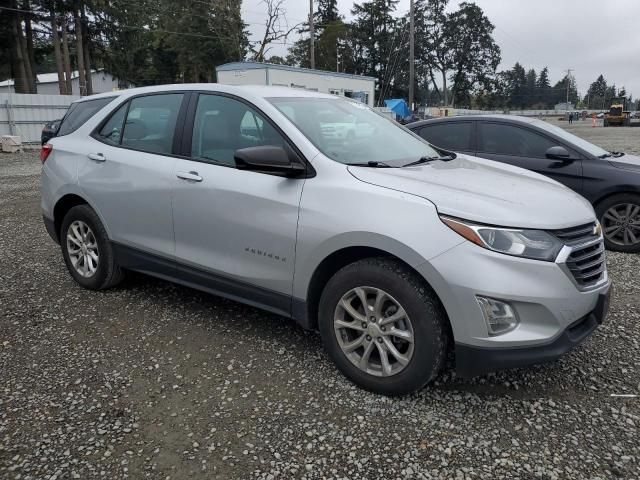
[(47, 83), (336, 83)]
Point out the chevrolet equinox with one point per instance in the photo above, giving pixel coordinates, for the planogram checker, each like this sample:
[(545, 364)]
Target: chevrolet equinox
[(398, 253)]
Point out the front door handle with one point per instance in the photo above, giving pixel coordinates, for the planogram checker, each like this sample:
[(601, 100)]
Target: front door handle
[(193, 176), (97, 157)]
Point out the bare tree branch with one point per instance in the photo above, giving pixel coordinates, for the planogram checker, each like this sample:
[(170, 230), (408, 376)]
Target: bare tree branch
[(276, 29)]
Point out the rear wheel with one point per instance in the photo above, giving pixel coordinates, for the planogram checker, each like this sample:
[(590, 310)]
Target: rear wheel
[(87, 250), (383, 327), (620, 219)]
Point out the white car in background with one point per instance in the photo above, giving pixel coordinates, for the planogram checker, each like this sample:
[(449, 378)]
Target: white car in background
[(340, 129)]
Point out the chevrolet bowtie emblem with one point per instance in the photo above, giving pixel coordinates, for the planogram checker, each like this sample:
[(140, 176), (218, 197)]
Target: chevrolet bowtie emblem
[(597, 230)]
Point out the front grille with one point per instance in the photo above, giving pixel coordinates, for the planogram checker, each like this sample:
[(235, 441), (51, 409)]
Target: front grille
[(576, 235), (586, 262)]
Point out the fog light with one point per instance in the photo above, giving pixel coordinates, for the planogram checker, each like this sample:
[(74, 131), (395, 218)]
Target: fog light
[(499, 316)]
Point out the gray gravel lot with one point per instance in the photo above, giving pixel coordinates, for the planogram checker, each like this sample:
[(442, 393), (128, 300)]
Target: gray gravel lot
[(153, 380)]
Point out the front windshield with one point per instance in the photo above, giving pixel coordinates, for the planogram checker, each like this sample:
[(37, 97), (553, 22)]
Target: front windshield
[(571, 138), (352, 133)]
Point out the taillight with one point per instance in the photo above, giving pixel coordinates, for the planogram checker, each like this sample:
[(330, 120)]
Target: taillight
[(45, 152)]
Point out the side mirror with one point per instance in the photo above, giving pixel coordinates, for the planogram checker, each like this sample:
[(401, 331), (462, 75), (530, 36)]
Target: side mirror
[(558, 153), (268, 159)]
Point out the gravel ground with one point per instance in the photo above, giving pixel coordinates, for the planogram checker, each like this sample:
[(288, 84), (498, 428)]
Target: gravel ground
[(152, 380)]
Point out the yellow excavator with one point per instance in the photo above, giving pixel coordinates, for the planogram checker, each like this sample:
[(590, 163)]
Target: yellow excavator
[(618, 114)]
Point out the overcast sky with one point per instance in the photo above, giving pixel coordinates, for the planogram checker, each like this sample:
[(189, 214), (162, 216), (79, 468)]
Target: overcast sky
[(588, 36)]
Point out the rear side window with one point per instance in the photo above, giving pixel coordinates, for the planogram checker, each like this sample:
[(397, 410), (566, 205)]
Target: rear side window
[(450, 136), (505, 139), (151, 122), (111, 131), (79, 113)]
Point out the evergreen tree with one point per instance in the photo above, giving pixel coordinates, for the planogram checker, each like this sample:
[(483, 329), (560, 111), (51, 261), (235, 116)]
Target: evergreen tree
[(531, 89), (517, 87), (374, 36), (474, 53), (327, 13), (560, 91), (543, 88)]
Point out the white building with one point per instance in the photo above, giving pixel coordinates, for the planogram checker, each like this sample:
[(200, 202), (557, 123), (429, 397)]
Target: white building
[(47, 84), (561, 107), (254, 73)]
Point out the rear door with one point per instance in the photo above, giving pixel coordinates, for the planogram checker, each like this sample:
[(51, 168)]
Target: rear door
[(454, 136), (128, 169), (526, 148)]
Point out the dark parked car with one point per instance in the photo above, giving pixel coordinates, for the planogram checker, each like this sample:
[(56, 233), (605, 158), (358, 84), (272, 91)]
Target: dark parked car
[(49, 130), (609, 180)]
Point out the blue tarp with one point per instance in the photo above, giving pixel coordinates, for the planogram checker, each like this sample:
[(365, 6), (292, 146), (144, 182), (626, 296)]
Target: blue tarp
[(399, 107)]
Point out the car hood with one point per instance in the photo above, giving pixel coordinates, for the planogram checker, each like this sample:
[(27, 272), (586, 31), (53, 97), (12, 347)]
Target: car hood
[(487, 192), (626, 162)]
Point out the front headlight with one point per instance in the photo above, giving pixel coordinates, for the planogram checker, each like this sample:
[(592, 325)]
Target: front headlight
[(534, 244)]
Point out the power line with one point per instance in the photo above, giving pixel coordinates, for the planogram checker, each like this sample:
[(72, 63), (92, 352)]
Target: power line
[(393, 70)]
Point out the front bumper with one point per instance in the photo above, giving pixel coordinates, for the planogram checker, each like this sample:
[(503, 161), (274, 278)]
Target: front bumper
[(554, 314), (472, 361)]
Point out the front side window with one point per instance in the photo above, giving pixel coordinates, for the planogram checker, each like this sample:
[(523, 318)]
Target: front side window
[(79, 113), (570, 138), (223, 125), (454, 136), (350, 132), (151, 122), (506, 139)]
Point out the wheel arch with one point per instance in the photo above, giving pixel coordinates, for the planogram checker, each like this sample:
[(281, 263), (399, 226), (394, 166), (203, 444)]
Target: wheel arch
[(629, 190), (306, 311), (62, 206)]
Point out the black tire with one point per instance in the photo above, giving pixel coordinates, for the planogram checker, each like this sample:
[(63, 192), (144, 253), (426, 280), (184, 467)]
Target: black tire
[(108, 273), (427, 316), (604, 206)]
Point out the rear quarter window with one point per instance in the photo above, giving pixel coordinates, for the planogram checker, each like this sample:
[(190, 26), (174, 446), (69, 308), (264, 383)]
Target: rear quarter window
[(79, 113)]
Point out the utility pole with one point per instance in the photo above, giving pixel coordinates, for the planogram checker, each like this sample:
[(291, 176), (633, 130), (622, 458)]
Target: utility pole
[(412, 35), (312, 56), (568, 84)]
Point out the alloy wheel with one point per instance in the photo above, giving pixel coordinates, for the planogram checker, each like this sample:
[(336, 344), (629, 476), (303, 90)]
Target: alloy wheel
[(374, 331), (621, 224), (83, 249)]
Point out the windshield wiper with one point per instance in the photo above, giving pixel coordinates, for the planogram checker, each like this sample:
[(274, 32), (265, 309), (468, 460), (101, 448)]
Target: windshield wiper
[(428, 159), (371, 164)]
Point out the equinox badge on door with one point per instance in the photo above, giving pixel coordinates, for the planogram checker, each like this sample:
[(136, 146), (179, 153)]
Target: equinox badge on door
[(262, 253)]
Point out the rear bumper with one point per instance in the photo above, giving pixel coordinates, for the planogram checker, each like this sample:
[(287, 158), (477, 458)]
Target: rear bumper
[(472, 360), (51, 228)]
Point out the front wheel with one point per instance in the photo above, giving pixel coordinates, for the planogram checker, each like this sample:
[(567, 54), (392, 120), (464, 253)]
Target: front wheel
[(383, 327), (619, 216)]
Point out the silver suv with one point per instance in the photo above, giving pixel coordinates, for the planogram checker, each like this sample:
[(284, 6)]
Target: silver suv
[(397, 252)]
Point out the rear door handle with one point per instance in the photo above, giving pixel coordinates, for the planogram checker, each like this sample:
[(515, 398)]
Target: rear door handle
[(97, 157), (193, 176)]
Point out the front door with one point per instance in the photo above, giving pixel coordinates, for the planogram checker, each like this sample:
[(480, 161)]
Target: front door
[(522, 147), (238, 227)]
